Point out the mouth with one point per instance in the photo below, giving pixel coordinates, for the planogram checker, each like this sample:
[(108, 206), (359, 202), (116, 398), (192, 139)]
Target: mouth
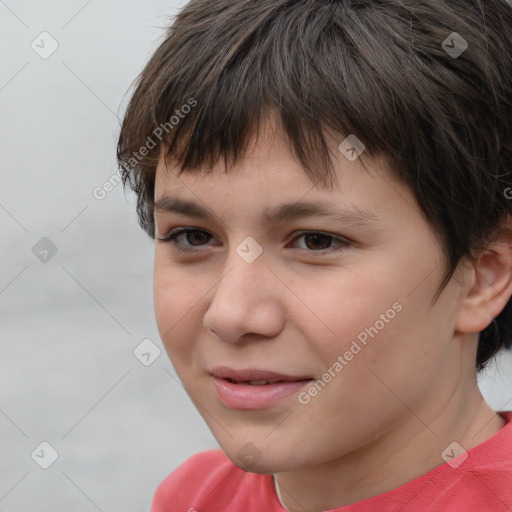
[(255, 389), (257, 377), (256, 382)]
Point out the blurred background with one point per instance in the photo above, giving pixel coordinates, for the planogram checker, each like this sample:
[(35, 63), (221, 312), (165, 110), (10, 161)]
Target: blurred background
[(92, 416)]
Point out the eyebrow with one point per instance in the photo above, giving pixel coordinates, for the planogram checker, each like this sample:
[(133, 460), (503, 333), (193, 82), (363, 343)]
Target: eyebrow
[(353, 215)]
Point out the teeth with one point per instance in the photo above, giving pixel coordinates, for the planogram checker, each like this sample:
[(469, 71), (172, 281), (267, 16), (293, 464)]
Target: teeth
[(253, 382)]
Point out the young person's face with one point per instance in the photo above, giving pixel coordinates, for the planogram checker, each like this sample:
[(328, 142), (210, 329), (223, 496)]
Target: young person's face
[(303, 305)]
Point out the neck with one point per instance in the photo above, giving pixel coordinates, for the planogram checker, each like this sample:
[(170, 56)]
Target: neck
[(408, 451)]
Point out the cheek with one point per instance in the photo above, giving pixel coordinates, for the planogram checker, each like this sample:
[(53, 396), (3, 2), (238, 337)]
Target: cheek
[(177, 303), (398, 361), (341, 309), (373, 322)]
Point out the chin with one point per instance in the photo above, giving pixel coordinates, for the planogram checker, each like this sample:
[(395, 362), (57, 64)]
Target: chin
[(260, 464), (258, 468)]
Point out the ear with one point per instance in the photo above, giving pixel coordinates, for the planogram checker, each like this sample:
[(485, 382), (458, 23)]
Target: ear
[(487, 284)]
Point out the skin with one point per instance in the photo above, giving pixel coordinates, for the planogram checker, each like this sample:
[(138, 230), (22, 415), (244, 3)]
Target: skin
[(386, 418)]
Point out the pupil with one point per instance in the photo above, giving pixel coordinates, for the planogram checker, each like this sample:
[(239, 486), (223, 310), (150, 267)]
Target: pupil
[(316, 238)]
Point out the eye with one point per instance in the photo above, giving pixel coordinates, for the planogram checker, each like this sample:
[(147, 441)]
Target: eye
[(193, 236), (314, 242)]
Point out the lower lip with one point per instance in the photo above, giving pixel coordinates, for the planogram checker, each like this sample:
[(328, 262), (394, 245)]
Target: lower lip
[(247, 396)]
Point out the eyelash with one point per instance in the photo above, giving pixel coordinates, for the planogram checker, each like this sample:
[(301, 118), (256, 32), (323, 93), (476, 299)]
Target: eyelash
[(170, 238)]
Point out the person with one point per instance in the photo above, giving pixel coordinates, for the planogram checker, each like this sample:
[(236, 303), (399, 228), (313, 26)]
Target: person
[(328, 184)]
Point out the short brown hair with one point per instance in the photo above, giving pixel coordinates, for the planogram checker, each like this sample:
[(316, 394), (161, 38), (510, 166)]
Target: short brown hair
[(378, 69)]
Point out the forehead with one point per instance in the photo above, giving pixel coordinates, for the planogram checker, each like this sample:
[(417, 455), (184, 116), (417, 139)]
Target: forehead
[(269, 148), (269, 177)]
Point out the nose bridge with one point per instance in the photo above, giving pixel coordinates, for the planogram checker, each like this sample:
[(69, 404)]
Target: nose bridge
[(246, 278), (246, 299)]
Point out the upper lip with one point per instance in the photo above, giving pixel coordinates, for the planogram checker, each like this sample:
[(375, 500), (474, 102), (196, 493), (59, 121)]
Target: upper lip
[(223, 372)]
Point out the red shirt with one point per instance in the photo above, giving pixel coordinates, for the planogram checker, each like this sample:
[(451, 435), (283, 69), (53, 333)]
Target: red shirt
[(210, 482)]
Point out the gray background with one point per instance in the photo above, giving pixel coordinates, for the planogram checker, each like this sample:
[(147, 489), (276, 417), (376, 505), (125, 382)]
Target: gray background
[(70, 323)]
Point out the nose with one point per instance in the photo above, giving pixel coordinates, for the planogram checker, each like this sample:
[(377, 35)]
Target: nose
[(248, 302)]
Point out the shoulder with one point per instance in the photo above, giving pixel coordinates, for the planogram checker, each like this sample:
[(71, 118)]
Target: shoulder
[(479, 479), (206, 476)]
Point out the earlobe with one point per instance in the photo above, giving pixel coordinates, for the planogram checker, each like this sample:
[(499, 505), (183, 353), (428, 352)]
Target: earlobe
[(490, 286)]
